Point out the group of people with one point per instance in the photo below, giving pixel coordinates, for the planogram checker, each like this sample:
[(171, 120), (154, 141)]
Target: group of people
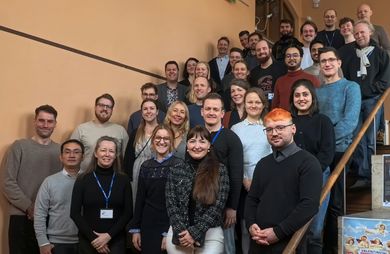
[(230, 160)]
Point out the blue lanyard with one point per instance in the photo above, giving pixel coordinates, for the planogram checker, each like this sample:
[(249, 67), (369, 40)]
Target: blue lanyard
[(106, 197), (216, 135)]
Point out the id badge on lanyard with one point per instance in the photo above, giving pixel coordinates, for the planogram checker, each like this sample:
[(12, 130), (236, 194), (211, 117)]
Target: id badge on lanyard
[(106, 213)]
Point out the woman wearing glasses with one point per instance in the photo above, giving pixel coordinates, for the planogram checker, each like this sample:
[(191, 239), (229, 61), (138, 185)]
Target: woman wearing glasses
[(150, 223), (315, 134)]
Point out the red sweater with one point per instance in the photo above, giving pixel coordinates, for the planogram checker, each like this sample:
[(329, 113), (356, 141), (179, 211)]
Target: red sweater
[(283, 87)]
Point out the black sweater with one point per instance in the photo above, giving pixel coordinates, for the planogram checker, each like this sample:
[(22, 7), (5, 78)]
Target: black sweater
[(88, 199), (378, 73), (315, 134), (228, 148), (284, 195)]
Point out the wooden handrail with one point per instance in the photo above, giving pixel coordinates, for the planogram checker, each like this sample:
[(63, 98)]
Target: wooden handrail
[(294, 241)]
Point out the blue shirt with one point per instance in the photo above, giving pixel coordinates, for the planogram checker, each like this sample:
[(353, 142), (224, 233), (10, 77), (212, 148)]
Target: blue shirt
[(254, 142), (341, 101)]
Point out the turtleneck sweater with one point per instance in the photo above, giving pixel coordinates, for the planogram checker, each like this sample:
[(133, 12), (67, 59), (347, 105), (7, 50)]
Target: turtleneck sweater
[(88, 200)]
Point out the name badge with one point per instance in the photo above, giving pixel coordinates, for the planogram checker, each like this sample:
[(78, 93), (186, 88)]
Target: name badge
[(106, 213), (270, 96)]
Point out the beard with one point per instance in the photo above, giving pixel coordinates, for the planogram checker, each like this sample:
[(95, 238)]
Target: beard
[(294, 68), (264, 59), (101, 118)]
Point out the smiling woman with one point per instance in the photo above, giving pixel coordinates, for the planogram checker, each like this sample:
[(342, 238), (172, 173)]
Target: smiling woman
[(102, 201), (196, 196), (150, 223), (315, 134), (138, 148)]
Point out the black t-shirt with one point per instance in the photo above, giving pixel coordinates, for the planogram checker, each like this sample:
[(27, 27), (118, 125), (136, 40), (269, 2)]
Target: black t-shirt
[(266, 78)]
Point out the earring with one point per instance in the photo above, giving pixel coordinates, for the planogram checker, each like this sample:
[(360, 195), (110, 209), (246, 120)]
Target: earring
[(208, 150)]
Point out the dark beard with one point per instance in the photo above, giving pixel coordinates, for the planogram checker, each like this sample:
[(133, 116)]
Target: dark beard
[(293, 68), (263, 60)]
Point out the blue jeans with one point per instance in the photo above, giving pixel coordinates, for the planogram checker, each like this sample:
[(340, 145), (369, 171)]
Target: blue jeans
[(314, 234), (361, 161), (230, 244)]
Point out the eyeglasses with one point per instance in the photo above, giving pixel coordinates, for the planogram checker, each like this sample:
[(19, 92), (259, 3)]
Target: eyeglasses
[(149, 94), (164, 139), (330, 16), (295, 55), (101, 105), (278, 129), (330, 60)]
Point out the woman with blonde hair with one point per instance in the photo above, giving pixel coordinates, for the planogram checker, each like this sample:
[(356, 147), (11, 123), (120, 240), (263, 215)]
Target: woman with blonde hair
[(102, 202), (178, 118), (150, 223)]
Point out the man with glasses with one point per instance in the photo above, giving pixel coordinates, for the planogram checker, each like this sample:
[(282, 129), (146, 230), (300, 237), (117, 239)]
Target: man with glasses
[(331, 36), (55, 231), (88, 133), (339, 99), (292, 60), (285, 198), (27, 164), (148, 91)]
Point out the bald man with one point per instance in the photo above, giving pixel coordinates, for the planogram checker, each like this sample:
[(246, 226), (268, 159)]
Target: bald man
[(380, 35)]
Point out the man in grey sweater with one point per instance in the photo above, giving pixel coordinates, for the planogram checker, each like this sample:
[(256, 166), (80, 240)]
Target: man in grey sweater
[(55, 230), (27, 164)]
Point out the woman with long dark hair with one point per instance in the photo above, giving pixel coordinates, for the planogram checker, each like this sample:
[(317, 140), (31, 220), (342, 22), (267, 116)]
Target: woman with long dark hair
[(102, 202), (196, 196), (150, 222), (238, 88), (138, 147), (189, 71), (314, 134)]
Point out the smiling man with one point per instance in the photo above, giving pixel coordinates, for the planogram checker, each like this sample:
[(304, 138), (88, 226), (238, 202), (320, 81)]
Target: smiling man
[(265, 75), (292, 60), (368, 65), (281, 200), (308, 33), (220, 66), (55, 230), (201, 89), (379, 35), (344, 115), (28, 162), (171, 90), (228, 148), (88, 133)]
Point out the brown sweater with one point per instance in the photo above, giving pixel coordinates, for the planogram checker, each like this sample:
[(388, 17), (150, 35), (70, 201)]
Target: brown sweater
[(27, 164)]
